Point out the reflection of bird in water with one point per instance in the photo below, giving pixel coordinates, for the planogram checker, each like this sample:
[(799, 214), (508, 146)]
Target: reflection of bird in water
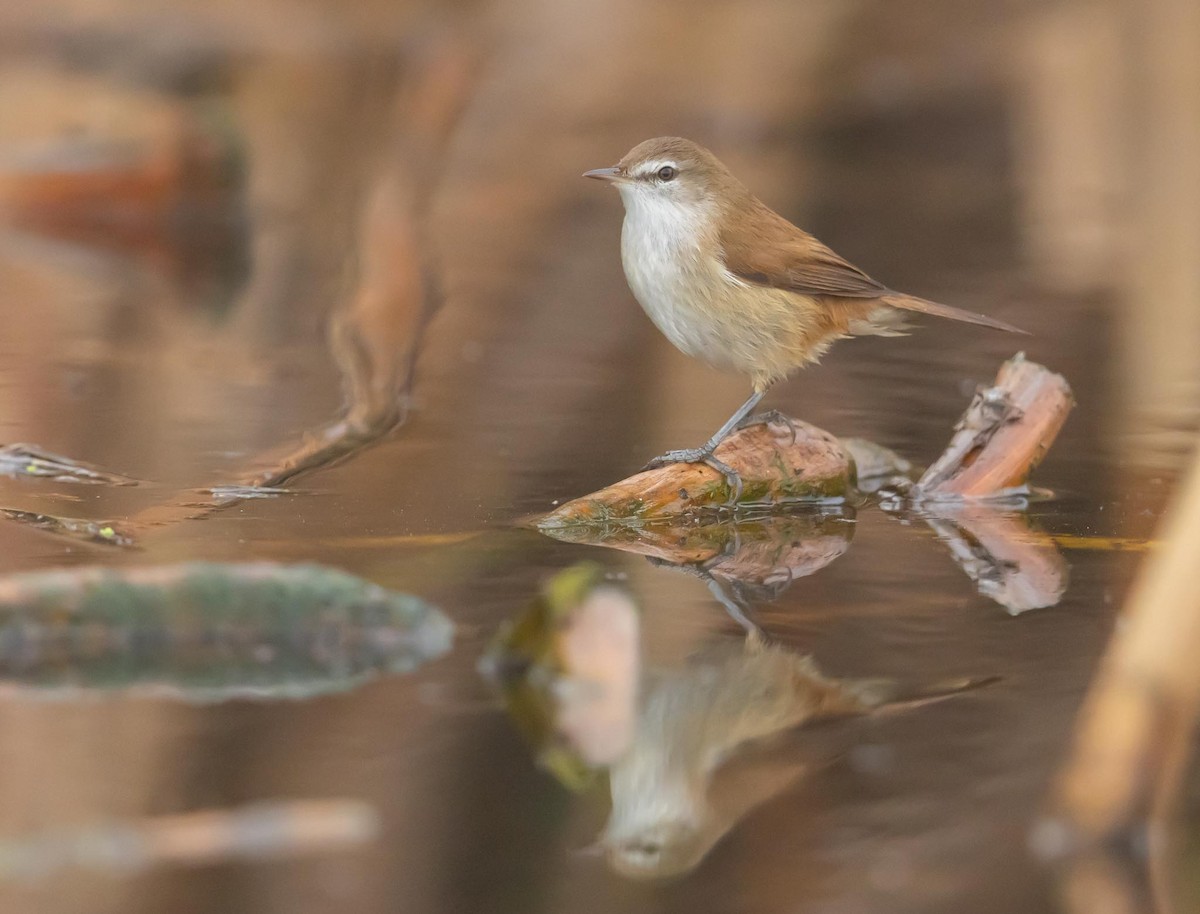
[(692, 722)]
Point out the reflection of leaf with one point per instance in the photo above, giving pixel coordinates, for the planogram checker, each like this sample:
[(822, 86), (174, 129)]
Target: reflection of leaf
[(207, 632), (762, 551), (742, 560), (766, 557), (29, 460), (568, 668)]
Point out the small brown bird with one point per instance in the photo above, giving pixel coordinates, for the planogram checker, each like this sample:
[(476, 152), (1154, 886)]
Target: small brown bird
[(730, 281)]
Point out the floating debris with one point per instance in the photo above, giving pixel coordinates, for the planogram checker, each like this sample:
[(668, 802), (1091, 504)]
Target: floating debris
[(269, 830), (92, 531), (208, 632), (239, 493), (28, 460)]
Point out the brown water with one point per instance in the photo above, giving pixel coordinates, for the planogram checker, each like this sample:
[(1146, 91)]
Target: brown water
[(178, 359)]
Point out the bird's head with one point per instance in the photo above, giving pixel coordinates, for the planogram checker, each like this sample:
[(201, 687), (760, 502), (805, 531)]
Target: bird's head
[(669, 172)]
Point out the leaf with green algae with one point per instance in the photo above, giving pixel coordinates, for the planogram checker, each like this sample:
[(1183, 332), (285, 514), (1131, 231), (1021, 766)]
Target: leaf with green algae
[(781, 462), (568, 669), (209, 632), (28, 460), (91, 531)]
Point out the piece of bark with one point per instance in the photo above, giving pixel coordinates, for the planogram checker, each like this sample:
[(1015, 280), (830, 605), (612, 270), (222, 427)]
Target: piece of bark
[(1002, 436), (780, 460)]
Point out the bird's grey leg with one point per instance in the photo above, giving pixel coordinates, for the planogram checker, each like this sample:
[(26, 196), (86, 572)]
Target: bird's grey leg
[(733, 606), (704, 453)]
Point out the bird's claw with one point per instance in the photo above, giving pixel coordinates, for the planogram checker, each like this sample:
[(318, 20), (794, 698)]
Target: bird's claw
[(684, 455), (764, 418), (702, 455)]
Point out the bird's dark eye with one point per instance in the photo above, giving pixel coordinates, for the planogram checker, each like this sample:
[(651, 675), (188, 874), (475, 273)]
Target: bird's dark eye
[(667, 172)]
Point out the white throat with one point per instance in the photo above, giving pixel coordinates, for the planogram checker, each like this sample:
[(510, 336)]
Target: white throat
[(663, 220), (668, 251)]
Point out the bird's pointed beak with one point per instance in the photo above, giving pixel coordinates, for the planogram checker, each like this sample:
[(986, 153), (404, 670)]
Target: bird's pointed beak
[(604, 174)]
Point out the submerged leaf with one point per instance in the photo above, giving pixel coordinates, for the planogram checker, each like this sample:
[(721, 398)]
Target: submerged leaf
[(209, 632)]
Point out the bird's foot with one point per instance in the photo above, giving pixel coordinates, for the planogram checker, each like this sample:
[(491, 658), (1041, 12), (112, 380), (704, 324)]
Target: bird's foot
[(683, 455), (764, 418), (705, 456)]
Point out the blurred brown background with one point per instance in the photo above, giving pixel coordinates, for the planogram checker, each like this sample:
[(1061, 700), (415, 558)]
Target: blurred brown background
[(216, 219)]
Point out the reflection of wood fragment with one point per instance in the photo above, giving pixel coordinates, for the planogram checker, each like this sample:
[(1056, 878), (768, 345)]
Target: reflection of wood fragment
[(1002, 436), (1018, 567), (780, 460)]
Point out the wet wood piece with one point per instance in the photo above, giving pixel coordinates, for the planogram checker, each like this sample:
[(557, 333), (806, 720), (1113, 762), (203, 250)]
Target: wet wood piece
[(997, 443), (781, 460), (1002, 437)]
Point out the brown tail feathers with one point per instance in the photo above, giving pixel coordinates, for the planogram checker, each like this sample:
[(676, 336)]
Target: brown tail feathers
[(920, 305)]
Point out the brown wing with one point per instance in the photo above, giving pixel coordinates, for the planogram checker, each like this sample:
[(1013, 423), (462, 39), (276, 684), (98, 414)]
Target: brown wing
[(765, 248), (773, 252)]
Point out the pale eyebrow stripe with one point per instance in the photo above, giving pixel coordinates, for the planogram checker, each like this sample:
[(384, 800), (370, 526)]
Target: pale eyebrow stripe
[(650, 167)]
